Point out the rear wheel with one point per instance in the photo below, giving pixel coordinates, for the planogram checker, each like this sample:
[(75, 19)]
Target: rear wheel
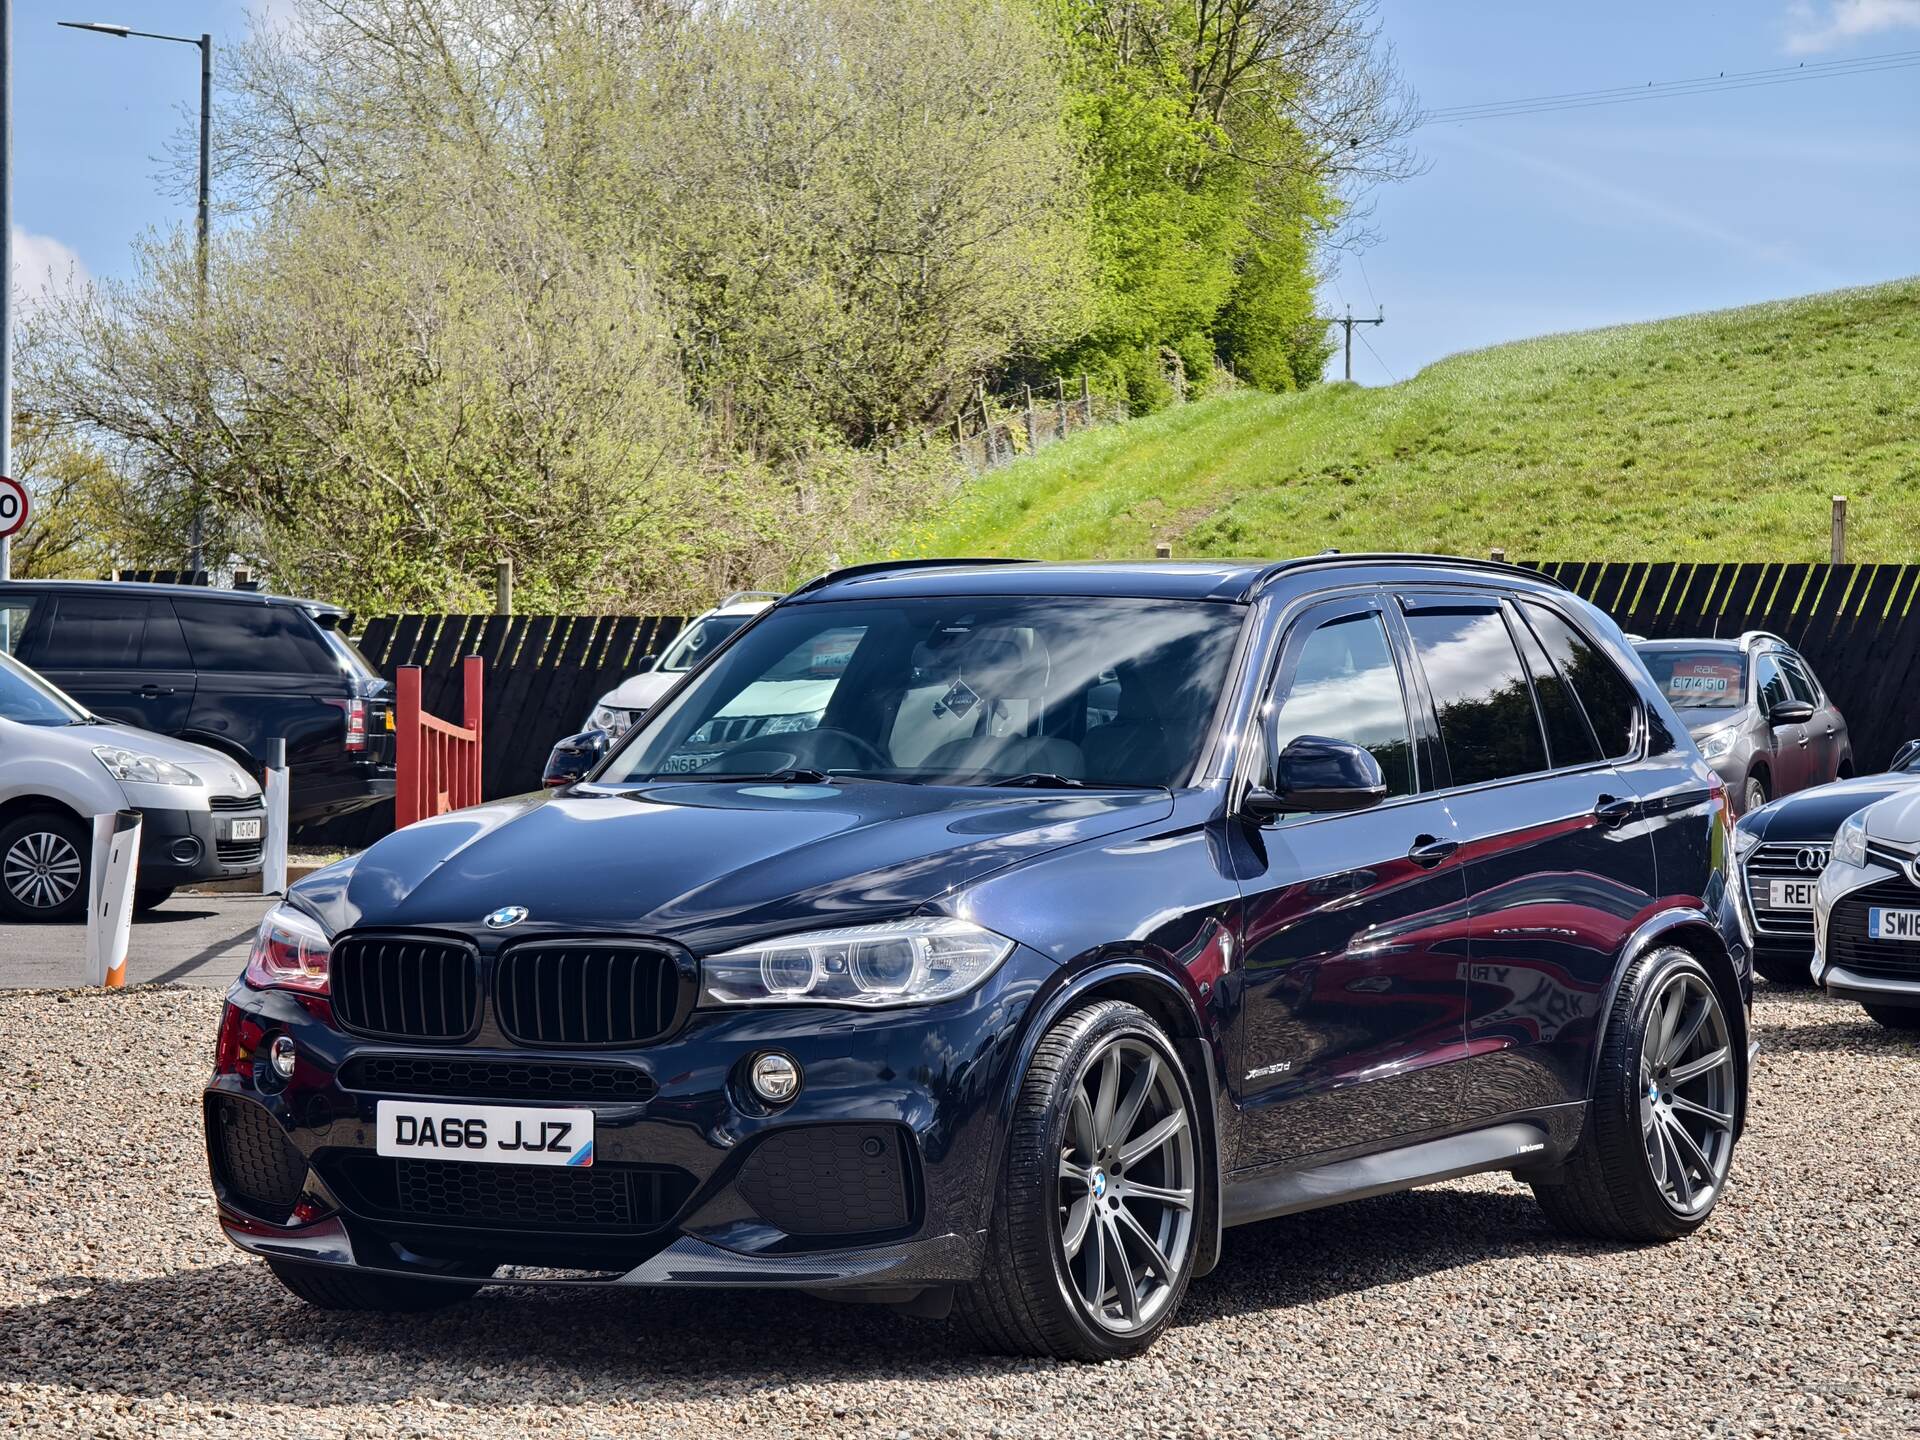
[(43, 867), (1659, 1138), (331, 1289), (1792, 970), (1895, 1017), (1093, 1237)]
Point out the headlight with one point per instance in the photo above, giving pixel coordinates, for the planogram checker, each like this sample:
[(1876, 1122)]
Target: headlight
[(900, 962), (290, 952), (1744, 840), (614, 721), (1850, 843), (139, 769), (1718, 745)]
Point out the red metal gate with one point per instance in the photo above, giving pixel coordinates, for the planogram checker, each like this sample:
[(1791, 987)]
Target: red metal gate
[(436, 763)]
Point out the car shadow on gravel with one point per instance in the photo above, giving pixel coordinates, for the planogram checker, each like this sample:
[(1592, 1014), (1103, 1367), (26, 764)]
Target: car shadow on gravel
[(1789, 1021), (229, 1333)]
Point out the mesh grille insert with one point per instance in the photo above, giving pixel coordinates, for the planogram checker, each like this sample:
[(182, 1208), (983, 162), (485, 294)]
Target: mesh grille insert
[(1847, 942), (496, 1079), (259, 1165)]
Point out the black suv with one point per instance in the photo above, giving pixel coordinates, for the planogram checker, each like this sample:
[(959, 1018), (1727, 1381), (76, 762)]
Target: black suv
[(230, 670), (1080, 912)]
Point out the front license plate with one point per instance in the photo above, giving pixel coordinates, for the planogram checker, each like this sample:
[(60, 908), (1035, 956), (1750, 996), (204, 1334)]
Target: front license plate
[(243, 830), (1893, 924), (1791, 894), (492, 1134)]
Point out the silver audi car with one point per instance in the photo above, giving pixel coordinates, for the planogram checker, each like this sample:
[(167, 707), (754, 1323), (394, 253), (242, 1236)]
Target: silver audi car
[(1866, 914)]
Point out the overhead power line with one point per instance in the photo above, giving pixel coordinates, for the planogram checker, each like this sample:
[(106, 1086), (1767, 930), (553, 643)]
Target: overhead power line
[(1668, 89)]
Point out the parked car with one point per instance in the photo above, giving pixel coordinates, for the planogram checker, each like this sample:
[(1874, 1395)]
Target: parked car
[(621, 706), (1097, 908), (1782, 850), (202, 816), (1866, 919), (1756, 711), (229, 670)]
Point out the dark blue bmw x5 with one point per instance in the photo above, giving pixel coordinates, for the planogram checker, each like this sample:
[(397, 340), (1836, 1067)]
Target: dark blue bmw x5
[(989, 936)]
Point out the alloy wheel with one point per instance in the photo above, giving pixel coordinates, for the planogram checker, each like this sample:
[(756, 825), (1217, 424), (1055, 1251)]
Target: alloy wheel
[(1687, 1088), (1126, 1185), (42, 870)]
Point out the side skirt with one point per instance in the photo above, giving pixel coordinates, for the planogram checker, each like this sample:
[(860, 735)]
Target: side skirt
[(1532, 1142)]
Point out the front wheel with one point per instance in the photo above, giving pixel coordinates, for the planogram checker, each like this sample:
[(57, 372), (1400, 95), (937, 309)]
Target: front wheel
[(1755, 795), (44, 858), (1653, 1158), (1894, 1017), (1094, 1230)]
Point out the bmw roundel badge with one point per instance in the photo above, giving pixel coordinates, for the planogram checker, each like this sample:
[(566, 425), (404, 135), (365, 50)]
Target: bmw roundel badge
[(506, 915)]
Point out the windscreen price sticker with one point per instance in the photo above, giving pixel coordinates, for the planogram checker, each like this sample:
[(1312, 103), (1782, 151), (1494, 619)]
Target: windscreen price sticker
[(13, 506), (1702, 677)]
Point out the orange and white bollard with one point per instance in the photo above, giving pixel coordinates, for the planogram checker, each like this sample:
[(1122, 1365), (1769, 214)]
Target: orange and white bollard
[(116, 858)]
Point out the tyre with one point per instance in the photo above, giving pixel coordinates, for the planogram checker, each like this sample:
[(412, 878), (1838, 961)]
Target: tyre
[(331, 1289), (1653, 1158), (1895, 1017), (148, 897), (1755, 794), (43, 866), (1094, 1234), (1791, 970)]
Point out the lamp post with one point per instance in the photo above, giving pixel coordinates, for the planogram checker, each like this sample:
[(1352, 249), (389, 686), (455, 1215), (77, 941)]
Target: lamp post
[(196, 533)]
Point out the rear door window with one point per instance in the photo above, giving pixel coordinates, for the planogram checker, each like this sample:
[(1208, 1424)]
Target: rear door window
[(1607, 696), (15, 613), (1799, 679), (1488, 725), (1569, 740), (275, 639)]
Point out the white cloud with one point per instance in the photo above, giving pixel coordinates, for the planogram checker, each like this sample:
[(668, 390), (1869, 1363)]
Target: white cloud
[(1817, 25), (43, 266)]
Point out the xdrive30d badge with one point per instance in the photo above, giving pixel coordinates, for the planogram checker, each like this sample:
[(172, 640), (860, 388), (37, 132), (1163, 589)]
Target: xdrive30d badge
[(1091, 909)]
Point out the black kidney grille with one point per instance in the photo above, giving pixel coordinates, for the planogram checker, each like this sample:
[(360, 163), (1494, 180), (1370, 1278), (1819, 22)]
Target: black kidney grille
[(496, 1079), (585, 994), (599, 1198), (261, 1167), (1847, 942), (402, 988)]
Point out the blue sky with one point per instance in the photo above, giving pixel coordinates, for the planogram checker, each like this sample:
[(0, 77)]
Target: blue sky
[(1518, 227)]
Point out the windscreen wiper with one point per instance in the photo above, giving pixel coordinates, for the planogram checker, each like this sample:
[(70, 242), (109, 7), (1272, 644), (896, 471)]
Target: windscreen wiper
[(796, 775)]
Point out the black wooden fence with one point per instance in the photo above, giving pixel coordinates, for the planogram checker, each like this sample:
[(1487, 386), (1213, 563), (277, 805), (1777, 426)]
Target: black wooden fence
[(1858, 625), (543, 674)]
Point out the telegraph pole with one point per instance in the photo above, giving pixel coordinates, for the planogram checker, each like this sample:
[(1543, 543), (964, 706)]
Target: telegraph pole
[(1347, 322)]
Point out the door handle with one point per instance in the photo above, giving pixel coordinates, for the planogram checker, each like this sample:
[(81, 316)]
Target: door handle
[(1428, 851), (1611, 812), (1802, 741), (154, 692)]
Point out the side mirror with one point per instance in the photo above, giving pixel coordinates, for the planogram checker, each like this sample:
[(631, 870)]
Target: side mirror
[(645, 663), (574, 756), (1321, 776), (1906, 755), (1789, 712)]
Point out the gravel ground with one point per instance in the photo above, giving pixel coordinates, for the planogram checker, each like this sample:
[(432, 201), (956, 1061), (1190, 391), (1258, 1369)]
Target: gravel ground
[(1796, 1311)]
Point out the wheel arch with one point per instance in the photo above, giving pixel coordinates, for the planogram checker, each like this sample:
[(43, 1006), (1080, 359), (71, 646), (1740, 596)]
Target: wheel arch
[(1691, 930), (1154, 989), (37, 804)]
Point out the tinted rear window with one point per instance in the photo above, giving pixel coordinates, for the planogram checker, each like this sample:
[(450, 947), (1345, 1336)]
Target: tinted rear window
[(1569, 741), (1487, 721), (267, 638), (93, 632), (1605, 694)]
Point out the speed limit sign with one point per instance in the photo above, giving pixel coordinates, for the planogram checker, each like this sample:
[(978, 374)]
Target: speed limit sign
[(13, 506)]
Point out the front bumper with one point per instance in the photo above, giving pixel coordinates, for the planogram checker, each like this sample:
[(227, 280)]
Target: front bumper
[(738, 1196), (1838, 882), (178, 847)]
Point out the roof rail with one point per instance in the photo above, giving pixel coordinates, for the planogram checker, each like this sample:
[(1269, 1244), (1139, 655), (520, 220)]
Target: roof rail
[(880, 567), (1747, 637), (1388, 557), (739, 597)]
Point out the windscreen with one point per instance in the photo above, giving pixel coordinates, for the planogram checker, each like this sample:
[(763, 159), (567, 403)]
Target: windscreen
[(953, 691), (1703, 679), (29, 700)]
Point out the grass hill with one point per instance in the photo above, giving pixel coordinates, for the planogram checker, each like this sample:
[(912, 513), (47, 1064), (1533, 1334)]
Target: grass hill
[(1719, 436)]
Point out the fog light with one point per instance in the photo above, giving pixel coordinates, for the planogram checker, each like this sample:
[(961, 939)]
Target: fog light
[(185, 851), (775, 1079), (280, 1056)]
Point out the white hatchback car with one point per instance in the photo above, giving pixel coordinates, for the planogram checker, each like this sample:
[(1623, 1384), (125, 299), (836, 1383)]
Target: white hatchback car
[(621, 706), (202, 817), (1866, 914)]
